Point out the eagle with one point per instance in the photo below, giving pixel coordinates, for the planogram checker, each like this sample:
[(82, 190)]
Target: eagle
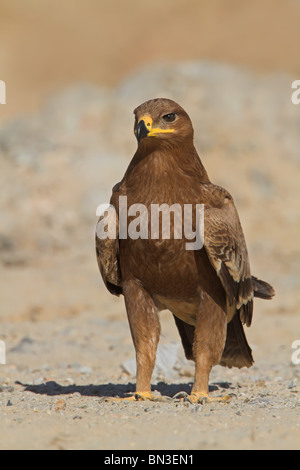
[(209, 290)]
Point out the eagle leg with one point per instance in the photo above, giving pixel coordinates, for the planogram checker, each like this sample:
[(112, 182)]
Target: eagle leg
[(209, 342), (145, 331)]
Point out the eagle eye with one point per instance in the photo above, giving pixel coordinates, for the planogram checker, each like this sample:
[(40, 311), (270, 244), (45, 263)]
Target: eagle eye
[(169, 117)]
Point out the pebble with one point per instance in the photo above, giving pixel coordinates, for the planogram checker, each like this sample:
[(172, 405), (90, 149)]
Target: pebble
[(39, 381), (60, 405), (6, 388), (83, 369), (293, 384)]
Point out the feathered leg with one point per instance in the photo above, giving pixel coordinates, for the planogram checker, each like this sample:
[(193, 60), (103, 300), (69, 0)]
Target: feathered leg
[(209, 342), (145, 330)]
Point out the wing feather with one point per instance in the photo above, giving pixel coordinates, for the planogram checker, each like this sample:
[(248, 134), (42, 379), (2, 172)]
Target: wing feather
[(226, 248), (107, 252)]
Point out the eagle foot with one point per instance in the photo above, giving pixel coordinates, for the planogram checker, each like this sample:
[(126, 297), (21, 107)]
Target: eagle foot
[(142, 396), (203, 398)]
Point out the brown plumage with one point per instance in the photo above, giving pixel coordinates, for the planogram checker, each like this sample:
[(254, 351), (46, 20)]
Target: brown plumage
[(210, 290)]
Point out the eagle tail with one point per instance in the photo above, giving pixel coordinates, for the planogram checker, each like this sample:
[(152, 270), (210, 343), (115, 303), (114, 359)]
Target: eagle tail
[(262, 289), (186, 332), (237, 352)]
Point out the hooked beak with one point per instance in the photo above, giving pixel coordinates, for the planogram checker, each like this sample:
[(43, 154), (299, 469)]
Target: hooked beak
[(145, 129), (141, 130)]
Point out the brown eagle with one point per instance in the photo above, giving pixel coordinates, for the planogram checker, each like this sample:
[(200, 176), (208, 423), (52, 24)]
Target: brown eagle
[(209, 290)]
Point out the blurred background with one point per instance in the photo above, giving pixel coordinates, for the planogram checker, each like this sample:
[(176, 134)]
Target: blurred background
[(74, 72), (47, 44)]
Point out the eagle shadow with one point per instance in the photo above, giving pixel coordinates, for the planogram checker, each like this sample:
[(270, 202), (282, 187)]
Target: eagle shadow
[(52, 388)]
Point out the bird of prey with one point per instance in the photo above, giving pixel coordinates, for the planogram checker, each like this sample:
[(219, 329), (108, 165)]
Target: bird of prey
[(209, 290)]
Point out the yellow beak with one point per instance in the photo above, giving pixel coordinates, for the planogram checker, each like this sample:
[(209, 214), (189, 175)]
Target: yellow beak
[(145, 129)]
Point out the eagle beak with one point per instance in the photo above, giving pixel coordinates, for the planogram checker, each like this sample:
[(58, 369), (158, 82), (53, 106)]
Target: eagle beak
[(144, 129), (141, 130)]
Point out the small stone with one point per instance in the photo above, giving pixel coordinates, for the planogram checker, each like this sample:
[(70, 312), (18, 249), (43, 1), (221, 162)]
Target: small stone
[(260, 383), (39, 381), (60, 405), (6, 388), (293, 384), (196, 408), (85, 370), (70, 381), (180, 395)]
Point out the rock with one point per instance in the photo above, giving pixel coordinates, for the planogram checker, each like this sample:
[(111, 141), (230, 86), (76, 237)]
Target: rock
[(25, 345), (60, 405), (6, 388)]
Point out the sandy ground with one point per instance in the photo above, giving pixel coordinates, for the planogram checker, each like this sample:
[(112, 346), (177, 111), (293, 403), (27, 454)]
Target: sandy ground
[(66, 337), (53, 394)]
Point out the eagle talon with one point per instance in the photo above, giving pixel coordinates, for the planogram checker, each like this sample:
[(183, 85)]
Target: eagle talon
[(203, 399), (197, 398), (116, 399), (142, 396), (180, 395)]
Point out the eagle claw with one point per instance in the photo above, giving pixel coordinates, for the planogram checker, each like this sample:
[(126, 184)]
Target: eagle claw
[(198, 397), (180, 395)]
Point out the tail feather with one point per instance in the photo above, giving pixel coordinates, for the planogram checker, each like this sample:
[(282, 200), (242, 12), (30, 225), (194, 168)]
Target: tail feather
[(237, 352), (262, 289), (187, 336)]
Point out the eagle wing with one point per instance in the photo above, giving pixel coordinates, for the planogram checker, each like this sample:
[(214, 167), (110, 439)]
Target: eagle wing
[(107, 250), (226, 249)]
